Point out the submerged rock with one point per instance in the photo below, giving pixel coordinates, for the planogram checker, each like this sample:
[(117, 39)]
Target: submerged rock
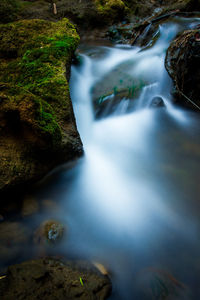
[(183, 65), (51, 279), (37, 124), (50, 231), (157, 102)]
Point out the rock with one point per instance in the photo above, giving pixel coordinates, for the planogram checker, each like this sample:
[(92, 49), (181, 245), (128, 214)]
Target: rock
[(13, 239), (51, 279), (37, 123), (110, 10), (8, 10), (183, 65), (119, 88), (50, 232), (30, 206), (157, 102)]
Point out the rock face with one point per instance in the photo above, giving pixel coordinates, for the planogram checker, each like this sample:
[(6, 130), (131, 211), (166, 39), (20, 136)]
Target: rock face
[(37, 125), (183, 65), (50, 279)]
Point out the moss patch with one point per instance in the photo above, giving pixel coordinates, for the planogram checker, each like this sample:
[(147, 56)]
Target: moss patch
[(34, 53), (110, 9)]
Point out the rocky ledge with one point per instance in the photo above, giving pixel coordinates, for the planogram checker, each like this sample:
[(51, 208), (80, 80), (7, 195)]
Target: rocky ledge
[(37, 125), (183, 65), (52, 279)]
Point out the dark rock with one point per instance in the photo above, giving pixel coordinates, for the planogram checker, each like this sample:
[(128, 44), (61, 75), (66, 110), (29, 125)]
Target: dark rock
[(183, 65), (157, 102), (51, 279), (13, 239), (8, 10)]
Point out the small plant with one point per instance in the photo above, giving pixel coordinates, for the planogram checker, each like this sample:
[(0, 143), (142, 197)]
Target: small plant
[(81, 281)]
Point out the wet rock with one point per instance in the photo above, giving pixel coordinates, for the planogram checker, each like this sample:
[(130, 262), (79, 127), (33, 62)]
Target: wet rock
[(120, 33), (157, 102), (183, 65), (120, 91), (51, 279), (8, 10), (107, 105), (50, 232), (30, 206), (37, 123), (13, 241)]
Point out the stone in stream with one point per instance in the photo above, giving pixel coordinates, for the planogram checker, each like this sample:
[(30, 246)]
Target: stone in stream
[(157, 102), (51, 231), (183, 65), (51, 279)]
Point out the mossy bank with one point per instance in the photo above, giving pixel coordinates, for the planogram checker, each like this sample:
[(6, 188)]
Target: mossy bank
[(37, 124)]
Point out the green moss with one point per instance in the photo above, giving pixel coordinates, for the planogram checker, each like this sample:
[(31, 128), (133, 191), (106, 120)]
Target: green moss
[(111, 9), (21, 108), (34, 54)]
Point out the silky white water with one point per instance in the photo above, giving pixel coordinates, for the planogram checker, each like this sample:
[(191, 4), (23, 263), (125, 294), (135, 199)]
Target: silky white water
[(132, 202)]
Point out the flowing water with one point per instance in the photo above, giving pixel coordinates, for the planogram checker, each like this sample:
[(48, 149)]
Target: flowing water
[(132, 202)]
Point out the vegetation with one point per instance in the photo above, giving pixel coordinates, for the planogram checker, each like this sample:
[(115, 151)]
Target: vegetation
[(110, 9)]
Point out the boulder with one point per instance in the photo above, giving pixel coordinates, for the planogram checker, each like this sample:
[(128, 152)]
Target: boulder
[(37, 124), (183, 65), (51, 279)]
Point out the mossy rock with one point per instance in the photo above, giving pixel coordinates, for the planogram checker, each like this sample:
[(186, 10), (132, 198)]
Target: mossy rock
[(8, 10), (112, 10), (35, 103)]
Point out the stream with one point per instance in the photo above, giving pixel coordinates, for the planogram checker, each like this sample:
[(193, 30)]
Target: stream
[(132, 202)]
